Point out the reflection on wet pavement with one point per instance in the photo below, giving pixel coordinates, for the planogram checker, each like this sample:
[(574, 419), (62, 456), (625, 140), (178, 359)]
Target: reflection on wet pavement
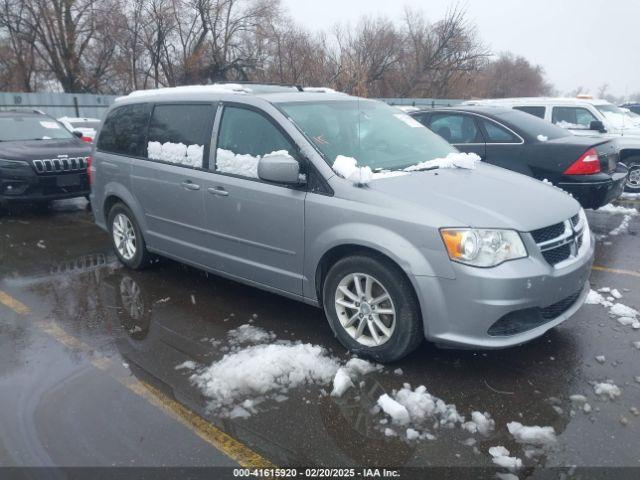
[(154, 320)]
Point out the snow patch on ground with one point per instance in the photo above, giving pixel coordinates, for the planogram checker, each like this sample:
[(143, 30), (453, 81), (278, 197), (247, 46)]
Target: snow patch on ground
[(607, 389), (502, 459), (188, 365), (534, 435), (345, 376), (260, 372), (249, 334), (617, 209)]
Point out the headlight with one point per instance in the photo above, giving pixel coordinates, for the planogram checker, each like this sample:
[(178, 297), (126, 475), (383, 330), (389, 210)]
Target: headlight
[(482, 247), (12, 163)]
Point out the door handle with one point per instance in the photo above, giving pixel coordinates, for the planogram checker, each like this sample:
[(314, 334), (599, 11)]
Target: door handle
[(189, 185), (220, 191)]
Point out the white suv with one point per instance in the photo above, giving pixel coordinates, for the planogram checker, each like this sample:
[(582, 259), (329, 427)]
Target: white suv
[(585, 116)]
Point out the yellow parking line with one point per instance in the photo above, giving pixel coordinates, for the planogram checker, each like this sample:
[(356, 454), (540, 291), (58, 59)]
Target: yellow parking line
[(616, 270), (15, 305), (217, 438)]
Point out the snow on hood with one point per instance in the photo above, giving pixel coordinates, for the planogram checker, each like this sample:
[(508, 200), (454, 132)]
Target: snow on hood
[(347, 167)]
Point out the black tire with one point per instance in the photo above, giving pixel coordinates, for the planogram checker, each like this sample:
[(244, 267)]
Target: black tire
[(142, 258), (633, 163), (408, 333)]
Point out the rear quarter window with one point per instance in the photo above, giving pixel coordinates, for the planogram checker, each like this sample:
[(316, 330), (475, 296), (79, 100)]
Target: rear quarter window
[(125, 130), (180, 134), (531, 110)]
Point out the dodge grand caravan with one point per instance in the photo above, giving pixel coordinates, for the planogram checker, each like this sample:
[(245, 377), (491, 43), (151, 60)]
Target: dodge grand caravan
[(239, 181)]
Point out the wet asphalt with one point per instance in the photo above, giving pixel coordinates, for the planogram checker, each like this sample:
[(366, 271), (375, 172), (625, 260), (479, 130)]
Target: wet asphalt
[(87, 333)]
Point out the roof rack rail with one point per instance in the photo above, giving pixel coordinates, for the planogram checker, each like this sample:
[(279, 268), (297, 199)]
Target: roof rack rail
[(261, 84)]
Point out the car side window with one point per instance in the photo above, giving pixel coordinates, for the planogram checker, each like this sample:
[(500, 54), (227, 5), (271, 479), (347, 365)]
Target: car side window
[(180, 134), (456, 128), (497, 133), (244, 137), (572, 117), (125, 129), (532, 110)]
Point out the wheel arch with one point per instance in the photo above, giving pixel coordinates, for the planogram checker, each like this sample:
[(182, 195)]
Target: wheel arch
[(115, 193)]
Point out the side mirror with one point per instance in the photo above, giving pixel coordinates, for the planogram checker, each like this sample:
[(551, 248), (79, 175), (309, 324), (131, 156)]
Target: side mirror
[(77, 133), (598, 126), (280, 167)]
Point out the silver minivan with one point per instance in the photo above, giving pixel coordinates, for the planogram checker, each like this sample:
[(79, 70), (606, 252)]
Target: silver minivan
[(242, 181)]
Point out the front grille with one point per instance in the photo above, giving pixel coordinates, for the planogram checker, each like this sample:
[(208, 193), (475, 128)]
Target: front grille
[(557, 255), (57, 165), (548, 233), (560, 241), (557, 309)]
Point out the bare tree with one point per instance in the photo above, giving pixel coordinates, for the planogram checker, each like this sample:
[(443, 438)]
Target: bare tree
[(18, 57), (511, 76)]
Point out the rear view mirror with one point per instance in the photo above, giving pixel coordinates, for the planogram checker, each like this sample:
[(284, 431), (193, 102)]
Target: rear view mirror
[(279, 167), (598, 126)]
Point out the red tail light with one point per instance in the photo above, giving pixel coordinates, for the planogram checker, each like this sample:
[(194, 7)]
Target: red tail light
[(86, 139), (89, 166), (587, 164)]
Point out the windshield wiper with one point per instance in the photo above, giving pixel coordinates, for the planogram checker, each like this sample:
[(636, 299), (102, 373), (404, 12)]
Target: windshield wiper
[(423, 169)]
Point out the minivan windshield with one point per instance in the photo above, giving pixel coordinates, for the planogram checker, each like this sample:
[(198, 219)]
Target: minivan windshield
[(375, 134), (23, 127)]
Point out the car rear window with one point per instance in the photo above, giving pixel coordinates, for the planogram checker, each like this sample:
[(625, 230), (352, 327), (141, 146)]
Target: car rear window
[(531, 126), (125, 129), (36, 127)]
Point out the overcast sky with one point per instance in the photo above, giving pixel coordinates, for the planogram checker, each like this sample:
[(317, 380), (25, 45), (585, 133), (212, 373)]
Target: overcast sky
[(578, 42)]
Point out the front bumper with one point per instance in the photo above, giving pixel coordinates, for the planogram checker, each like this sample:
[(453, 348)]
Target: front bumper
[(597, 193), (21, 183), (461, 312)]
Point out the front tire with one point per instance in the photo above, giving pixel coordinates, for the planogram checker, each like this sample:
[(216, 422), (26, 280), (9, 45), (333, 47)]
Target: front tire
[(372, 309), (127, 239), (633, 180)]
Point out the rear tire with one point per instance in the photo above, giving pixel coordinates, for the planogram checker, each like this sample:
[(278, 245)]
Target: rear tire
[(356, 316), (633, 180), (127, 239)]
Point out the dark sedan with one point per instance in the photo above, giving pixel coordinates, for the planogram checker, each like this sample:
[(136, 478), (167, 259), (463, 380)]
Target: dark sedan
[(586, 167)]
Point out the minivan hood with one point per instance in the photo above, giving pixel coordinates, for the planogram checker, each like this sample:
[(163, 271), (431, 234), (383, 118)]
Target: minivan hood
[(484, 197), (41, 149)]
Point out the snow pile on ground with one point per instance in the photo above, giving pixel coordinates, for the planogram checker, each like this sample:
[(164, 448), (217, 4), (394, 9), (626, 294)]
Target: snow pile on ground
[(420, 411), (347, 167), (607, 389), (464, 160), (623, 227), (260, 372), (611, 208), (179, 153), (621, 310), (502, 459), (481, 423), (249, 334), (188, 365), (345, 376), (532, 435), (595, 298)]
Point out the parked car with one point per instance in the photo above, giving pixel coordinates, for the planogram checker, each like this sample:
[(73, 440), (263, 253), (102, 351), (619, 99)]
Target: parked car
[(87, 126), (240, 183), (634, 107), (40, 160), (586, 167), (585, 116)]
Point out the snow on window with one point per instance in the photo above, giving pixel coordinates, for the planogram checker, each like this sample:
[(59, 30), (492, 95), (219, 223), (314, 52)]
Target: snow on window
[(347, 167), (569, 125), (245, 165), (178, 153)]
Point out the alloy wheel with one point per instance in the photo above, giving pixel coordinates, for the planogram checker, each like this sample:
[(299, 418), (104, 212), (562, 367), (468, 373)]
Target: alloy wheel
[(365, 309), (124, 236)]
